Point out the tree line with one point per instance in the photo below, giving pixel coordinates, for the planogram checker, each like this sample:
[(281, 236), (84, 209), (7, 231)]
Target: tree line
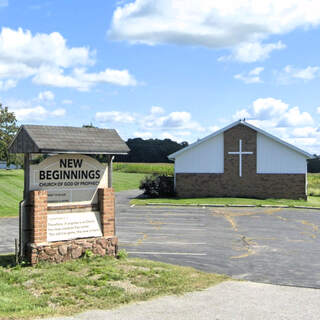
[(149, 150)]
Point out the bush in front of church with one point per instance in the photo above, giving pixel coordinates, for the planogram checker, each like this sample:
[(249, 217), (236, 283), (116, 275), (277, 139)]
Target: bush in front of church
[(157, 186)]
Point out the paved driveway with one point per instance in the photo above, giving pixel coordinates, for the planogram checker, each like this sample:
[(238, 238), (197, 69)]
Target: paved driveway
[(279, 246)]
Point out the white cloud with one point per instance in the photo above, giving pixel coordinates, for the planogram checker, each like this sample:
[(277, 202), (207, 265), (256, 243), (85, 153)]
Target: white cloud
[(59, 112), (49, 61), (66, 101), (115, 116), (41, 49), (7, 84), (294, 117), (304, 132), (213, 129), (290, 73), (241, 25), (253, 76), (156, 110), (46, 96), (81, 80), (27, 110), (155, 123), (288, 123), (142, 134), (178, 120), (253, 51), (37, 113)]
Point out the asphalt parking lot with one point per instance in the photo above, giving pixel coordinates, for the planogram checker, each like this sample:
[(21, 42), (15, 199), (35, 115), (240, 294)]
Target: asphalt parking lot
[(269, 245)]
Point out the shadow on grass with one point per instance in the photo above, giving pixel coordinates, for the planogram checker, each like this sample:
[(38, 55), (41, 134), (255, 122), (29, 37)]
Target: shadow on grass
[(7, 260)]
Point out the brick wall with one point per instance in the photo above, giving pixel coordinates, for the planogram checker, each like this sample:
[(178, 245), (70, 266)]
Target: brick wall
[(250, 184), (107, 206), (41, 250), (38, 215)]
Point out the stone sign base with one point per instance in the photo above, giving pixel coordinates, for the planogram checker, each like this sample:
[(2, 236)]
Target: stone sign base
[(69, 240), (73, 249)]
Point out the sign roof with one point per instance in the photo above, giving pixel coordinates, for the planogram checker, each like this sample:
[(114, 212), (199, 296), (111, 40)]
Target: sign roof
[(61, 139)]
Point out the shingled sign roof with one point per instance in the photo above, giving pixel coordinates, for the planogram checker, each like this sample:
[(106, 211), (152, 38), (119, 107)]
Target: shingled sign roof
[(59, 139)]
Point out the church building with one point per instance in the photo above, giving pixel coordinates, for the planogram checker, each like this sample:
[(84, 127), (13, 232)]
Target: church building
[(241, 160)]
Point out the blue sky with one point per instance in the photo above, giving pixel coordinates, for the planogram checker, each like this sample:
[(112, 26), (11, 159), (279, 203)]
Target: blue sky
[(164, 69)]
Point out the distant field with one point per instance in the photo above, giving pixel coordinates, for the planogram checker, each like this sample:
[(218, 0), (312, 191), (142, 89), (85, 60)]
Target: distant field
[(314, 184), (11, 188), (149, 168), (126, 176)]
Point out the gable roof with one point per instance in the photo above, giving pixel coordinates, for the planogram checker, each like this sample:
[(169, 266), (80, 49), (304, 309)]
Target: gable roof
[(304, 153), (61, 139)]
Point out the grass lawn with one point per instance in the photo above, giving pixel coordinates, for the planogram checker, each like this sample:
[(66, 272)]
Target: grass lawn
[(91, 283), (312, 201), (11, 188), (313, 198)]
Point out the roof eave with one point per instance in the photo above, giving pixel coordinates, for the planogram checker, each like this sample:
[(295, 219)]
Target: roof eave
[(192, 145), (54, 151), (177, 153)]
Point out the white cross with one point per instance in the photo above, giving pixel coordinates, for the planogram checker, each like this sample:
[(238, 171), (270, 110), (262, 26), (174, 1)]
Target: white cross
[(240, 153)]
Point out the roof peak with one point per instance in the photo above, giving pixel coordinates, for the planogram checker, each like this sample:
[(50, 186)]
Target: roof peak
[(233, 124)]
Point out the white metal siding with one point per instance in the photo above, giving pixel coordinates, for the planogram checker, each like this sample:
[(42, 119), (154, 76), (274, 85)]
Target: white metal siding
[(273, 157), (207, 157)]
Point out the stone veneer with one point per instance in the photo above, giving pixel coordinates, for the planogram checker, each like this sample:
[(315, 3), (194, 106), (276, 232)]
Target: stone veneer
[(72, 249), (41, 250), (251, 184)]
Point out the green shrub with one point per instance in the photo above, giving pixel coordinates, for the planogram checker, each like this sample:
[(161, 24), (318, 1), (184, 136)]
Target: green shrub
[(157, 186), (122, 254)]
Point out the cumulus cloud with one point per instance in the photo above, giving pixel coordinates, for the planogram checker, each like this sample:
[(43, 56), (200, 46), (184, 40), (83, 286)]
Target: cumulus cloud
[(155, 123), (7, 84), (241, 25), (178, 121), (81, 80), (46, 96), (279, 118), (156, 110), (290, 73), (49, 61), (142, 134), (252, 51), (115, 116), (271, 110), (32, 110), (66, 101), (252, 76)]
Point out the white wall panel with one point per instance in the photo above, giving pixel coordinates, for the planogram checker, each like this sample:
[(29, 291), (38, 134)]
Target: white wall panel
[(206, 157), (273, 157)]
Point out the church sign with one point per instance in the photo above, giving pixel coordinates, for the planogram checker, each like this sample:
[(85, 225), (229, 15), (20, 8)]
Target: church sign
[(68, 226), (69, 202), (69, 178)]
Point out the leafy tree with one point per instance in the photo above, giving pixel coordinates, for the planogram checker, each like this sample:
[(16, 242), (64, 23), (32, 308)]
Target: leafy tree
[(314, 164), (8, 129), (150, 150)]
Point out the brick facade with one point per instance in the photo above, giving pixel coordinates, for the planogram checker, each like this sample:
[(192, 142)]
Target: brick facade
[(41, 250), (250, 184)]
